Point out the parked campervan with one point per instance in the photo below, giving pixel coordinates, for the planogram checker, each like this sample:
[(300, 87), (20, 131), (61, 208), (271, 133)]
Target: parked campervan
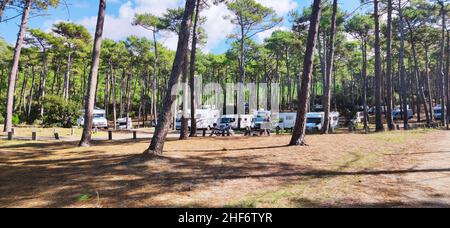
[(98, 121), (287, 120), (206, 118), (125, 123), (397, 114), (262, 120), (233, 121), (316, 120)]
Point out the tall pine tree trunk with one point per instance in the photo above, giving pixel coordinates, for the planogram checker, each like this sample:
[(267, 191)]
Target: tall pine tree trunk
[(193, 132), (93, 76), (441, 64), (329, 71), (389, 73), (403, 69), (184, 133), (378, 71), (15, 66), (155, 77), (298, 137), (160, 135)]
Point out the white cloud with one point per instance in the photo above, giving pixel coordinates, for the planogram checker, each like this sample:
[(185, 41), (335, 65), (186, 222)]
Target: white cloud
[(266, 34), (281, 7), (118, 26), (216, 26)]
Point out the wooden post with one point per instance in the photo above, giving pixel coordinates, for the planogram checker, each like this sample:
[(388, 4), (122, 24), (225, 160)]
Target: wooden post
[(134, 135), (72, 132), (33, 135), (56, 134), (110, 136), (204, 132), (10, 135)]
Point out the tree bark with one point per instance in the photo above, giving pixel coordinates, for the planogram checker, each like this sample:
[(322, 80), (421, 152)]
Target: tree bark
[(378, 76), (389, 117), (67, 76), (30, 95), (154, 79), (441, 64), (298, 137), (428, 84), (193, 132), (184, 133), (162, 129), (93, 76), (329, 71), (403, 69), (15, 66)]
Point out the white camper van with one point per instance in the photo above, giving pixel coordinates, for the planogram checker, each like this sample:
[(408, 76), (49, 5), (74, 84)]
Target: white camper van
[(397, 114), (206, 118), (233, 121), (316, 120), (99, 119), (263, 120), (287, 120), (125, 124)]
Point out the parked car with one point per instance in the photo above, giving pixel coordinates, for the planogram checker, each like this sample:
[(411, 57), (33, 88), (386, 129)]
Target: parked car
[(98, 121), (233, 121)]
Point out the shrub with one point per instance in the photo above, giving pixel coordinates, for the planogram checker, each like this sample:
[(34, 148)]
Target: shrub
[(59, 113), (15, 119)]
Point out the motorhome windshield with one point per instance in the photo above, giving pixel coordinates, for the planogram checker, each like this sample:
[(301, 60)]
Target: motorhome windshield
[(259, 119), (99, 116), (314, 120), (226, 120)]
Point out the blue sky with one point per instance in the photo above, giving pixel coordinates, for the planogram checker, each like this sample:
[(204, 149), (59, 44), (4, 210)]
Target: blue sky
[(120, 13)]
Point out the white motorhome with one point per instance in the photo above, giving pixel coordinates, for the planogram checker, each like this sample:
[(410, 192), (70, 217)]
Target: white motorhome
[(287, 120), (125, 124), (263, 120), (206, 118), (99, 118), (316, 120), (233, 121), (397, 114)]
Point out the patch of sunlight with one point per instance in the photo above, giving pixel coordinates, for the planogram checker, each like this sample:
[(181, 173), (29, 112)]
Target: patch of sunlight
[(400, 136)]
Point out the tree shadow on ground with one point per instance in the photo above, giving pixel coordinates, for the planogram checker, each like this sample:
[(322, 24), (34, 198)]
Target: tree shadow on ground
[(28, 172)]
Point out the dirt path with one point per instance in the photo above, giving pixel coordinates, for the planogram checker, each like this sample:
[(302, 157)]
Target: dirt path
[(429, 180)]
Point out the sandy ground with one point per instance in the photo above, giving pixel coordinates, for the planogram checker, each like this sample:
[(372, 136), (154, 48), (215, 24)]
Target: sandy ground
[(431, 175), (344, 170)]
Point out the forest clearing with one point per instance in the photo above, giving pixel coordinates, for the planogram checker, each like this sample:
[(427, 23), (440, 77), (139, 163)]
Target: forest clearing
[(379, 170), (224, 104)]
